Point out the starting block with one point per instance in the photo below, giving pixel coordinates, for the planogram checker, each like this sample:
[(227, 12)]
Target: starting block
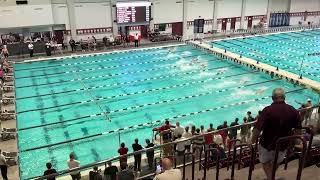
[(7, 116), (9, 78), (7, 88), (6, 101)]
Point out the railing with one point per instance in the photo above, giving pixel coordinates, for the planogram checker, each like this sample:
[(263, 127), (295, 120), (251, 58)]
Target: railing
[(253, 31), (183, 165)]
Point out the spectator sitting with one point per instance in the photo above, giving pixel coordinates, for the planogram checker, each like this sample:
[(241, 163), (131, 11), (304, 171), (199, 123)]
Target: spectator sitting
[(150, 153), (110, 172), (125, 173), (49, 171), (187, 135), (137, 157), (276, 121), (122, 151), (95, 174), (72, 163), (233, 132), (168, 172), (178, 130)]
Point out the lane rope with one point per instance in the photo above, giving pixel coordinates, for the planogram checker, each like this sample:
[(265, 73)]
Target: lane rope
[(105, 60)]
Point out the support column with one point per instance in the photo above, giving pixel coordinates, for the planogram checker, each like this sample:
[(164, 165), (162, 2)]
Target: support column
[(72, 19), (268, 12), (215, 16), (185, 20), (113, 10), (151, 24), (243, 12)]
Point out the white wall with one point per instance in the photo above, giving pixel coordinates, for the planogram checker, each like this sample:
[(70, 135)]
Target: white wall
[(280, 6), (256, 7), (60, 14), (92, 15), (25, 15), (304, 5), (203, 8), (229, 8), (167, 11)]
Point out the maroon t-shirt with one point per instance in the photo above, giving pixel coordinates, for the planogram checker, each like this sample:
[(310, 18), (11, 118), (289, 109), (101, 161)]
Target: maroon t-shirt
[(276, 121)]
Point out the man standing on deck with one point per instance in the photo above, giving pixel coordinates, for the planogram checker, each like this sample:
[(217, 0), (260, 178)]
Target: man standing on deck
[(137, 157), (276, 121), (72, 163)]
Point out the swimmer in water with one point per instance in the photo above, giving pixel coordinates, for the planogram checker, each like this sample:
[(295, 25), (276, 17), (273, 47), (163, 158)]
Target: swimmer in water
[(203, 66), (260, 91), (194, 61), (242, 81)]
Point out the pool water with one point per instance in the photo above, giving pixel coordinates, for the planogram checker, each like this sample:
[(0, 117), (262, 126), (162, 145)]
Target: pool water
[(288, 51), (99, 101)]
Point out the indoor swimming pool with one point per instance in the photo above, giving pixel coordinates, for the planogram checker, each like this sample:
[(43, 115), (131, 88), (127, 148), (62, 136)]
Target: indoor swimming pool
[(288, 51), (87, 105)]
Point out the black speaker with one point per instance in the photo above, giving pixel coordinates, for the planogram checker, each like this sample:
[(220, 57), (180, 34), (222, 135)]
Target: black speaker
[(198, 25)]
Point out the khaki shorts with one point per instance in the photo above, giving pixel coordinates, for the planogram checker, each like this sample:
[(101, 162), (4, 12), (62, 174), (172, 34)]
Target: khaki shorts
[(266, 156)]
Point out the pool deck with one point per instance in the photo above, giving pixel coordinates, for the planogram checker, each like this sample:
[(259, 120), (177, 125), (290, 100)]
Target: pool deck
[(259, 66)]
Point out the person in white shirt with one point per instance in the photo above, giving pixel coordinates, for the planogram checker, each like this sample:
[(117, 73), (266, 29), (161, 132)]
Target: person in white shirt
[(3, 166), (187, 134), (111, 40), (180, 148), (30, 47), (72, 163), (178, 130), (136, 40), (168, 172)]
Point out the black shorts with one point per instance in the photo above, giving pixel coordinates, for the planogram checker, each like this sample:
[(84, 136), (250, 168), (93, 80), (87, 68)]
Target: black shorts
[(6, 55)]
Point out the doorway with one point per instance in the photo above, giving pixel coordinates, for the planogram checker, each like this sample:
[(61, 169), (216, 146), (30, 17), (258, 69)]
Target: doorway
[(59, 36), (177, 29), (224, 24), (233, 23)]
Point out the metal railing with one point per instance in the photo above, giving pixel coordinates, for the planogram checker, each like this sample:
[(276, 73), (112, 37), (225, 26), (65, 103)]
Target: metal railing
[(227, 33), (200, 160)]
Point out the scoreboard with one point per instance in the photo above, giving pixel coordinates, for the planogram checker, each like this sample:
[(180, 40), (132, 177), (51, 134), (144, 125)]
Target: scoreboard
[(133, 12)]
